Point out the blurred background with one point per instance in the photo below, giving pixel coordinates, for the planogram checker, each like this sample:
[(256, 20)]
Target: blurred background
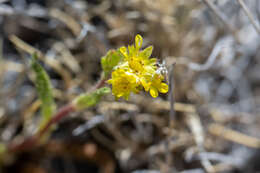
[(214, 46)]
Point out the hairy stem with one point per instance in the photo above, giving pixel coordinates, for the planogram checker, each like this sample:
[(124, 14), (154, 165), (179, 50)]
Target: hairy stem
[(34, 140)]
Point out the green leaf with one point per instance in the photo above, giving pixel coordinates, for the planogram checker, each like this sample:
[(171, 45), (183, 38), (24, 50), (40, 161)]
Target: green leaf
[(110, 60), (44, 90), (87, 100)]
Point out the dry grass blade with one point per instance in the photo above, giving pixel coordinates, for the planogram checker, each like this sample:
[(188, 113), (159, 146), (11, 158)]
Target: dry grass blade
[(211, 59), (72, 24), (159, 105), (220, 15), (249, 15), (173, 145), (51, 62), (234, 136), (2, 66), (195, 125), (67, 57)]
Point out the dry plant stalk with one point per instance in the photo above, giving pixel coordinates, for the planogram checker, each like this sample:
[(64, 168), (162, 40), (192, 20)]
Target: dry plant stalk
[(72, 24), (234, 136), (51, 62), (194, 123), (249, 15), (219, 14)]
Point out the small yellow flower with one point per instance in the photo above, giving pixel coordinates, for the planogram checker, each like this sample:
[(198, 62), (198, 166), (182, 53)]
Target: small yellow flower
[(139, 61), (136, 71), (158, 85), (123, 83)]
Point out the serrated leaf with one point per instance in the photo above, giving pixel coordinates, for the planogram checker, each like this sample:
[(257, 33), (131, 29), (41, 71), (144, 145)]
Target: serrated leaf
[(110, 60), (44, 90), (87, 100)]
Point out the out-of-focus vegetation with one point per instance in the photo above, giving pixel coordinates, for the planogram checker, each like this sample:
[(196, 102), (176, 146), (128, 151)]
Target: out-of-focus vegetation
[(213, 125)]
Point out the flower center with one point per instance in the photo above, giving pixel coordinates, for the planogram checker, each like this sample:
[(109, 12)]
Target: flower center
[(136, 64)]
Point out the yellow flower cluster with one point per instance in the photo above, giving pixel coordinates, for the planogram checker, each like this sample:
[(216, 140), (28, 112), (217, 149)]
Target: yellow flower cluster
[(137, 71)]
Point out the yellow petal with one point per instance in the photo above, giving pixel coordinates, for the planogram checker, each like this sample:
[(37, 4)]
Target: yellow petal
[(132, 51), (145, 84), (137, 90), (147, 52), (163, 88), (126, 96), (110, 81), (119, 95), (123, 50), (153, 92), (138, 41), (149, 69), (152, 61)]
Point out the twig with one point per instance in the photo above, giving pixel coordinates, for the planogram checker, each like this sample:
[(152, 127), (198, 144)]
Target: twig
[(67, 57), (249, 15), (197, 170), (238, 137), (220, 15), (159, 104), (195, 125), (211, 59), (20, 44), (93, 122), (2, 68), (3, 1), (258, 10), (171, 96), (183, 140), (219, 157), (72, 24)]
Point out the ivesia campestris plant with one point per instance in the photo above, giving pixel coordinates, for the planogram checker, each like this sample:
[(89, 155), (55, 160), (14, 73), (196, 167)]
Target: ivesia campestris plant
[(128, 70), (133, 70)]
